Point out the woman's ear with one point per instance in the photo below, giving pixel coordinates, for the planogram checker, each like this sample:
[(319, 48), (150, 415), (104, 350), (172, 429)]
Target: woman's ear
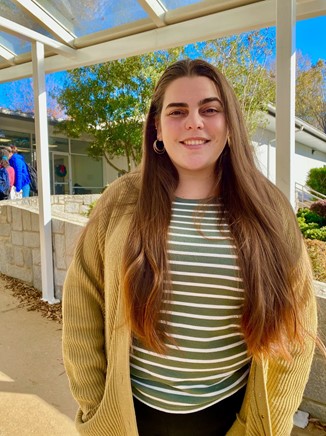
[(159, 131)]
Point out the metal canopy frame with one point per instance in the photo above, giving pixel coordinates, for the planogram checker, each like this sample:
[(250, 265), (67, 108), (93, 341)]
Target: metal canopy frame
[(161, 29)]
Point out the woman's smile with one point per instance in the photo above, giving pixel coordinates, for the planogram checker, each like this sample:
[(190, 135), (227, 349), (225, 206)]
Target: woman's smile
[(194, 142)]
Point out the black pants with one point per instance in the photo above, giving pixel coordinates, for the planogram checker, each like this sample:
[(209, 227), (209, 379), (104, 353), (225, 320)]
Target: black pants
[(212, 421)]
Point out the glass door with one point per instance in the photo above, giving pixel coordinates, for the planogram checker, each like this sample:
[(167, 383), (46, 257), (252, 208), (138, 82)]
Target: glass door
[(60, 180)]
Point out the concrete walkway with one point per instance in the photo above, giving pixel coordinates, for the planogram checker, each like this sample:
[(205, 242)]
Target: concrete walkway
[(34, 392)]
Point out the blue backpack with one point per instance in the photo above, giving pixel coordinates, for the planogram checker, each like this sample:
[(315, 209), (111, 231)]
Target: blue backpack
[(4, 184)]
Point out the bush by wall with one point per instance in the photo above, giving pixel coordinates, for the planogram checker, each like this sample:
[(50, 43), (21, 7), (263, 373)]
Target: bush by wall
[(312, 225), (319, 207), (317, 179)]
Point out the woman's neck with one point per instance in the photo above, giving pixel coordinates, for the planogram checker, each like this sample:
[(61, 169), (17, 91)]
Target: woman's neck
[(195, 188)]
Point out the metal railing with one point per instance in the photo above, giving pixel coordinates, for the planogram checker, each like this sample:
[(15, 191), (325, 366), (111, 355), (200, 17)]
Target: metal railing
[(305, 195)]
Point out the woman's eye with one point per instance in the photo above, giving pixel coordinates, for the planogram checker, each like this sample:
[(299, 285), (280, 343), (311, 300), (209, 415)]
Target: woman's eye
[(176, 113), (211, 110)]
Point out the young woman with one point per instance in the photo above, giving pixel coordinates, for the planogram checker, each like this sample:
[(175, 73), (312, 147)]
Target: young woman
[(189, 307)]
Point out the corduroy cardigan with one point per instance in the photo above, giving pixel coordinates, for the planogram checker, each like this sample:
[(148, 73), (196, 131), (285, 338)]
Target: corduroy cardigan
[(96, 338)]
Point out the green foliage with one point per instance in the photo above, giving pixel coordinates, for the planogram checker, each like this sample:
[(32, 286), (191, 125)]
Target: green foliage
[(306, 226), (319, 234), (316, 179), (243, 59), (108, 102), (90, 208), (312, 225), (310, 103), (311, 92), (311, 217)]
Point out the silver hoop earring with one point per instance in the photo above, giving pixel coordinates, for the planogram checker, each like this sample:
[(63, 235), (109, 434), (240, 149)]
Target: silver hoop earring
[(158, 147)]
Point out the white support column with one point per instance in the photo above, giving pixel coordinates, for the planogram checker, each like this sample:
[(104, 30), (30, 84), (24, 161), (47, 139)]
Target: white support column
[(42, 154), (285, 97)]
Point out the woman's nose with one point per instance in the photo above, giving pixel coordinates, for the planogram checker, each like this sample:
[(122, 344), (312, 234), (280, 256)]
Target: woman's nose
[(194, 121)]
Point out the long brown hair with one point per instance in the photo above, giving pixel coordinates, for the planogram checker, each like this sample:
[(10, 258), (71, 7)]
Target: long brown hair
[(261, 220)]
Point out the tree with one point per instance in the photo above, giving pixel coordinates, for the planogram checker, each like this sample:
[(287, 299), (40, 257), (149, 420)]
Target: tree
[(311, 92), (317, 179), (108, 102), (244, 59)]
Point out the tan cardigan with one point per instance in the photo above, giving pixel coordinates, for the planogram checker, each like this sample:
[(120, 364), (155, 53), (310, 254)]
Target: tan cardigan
[(96, 339)]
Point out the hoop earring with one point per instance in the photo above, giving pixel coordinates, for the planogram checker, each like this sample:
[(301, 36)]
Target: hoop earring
[(158, 147)]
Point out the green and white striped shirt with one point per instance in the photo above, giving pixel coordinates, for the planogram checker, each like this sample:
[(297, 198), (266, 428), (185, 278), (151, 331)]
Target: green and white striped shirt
[(208, 360)]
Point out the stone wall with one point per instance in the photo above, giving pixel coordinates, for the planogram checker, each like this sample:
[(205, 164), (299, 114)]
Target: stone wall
[(20, 258), (70, 204), (20, 237)]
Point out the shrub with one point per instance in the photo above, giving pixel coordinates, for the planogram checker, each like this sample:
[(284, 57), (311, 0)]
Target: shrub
[(90, 208), (311, 216), (306, 226), (314, 233), (317, 179), (319, 207), (311, 225), (303, 211)]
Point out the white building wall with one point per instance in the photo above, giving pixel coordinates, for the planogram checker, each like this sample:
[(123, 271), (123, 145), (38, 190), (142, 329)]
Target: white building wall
[(305, 157), (110, 173), (305, 160)]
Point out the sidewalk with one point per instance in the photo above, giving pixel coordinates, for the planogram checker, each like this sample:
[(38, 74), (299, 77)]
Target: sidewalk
[(34, 392)]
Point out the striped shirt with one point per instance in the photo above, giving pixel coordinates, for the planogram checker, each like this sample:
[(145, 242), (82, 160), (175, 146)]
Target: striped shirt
[(207, 360)]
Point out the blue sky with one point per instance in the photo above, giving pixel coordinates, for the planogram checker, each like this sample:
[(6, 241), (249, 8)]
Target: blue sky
[(310, 40)]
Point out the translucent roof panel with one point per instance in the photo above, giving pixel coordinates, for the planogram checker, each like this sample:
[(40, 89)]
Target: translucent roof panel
[(86, 32), (15, 44), (84, 17), (174, 4), (9, 10)]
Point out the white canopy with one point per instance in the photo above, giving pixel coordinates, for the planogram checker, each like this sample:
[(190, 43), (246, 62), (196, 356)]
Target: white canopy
[(76, 33)]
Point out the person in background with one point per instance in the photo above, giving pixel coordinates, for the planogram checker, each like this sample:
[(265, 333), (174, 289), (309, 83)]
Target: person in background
[(4, 156), (189, 306), (4, 181), (22, 179)]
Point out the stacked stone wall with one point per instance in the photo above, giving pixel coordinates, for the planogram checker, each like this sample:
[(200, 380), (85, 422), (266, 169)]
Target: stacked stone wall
[(20, 237)]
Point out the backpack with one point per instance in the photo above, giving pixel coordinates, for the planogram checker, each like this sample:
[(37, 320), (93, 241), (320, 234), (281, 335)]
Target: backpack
[(4, 184), (33, 176)]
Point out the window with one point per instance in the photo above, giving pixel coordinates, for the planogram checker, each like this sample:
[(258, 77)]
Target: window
[(87, 175)]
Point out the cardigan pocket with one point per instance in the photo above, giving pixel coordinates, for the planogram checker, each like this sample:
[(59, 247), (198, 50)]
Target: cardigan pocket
[(85, 424), (85, 418)]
